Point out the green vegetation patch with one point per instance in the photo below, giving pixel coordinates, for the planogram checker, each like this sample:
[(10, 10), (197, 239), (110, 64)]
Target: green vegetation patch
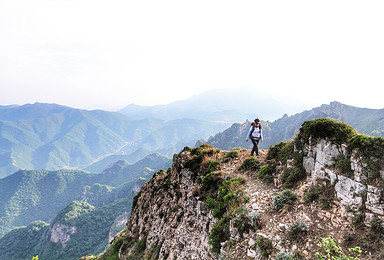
[(287, 197), (297, 230), (20, 242), (266, 171), (291, 176), (224, 206), (211, 165), (332, 250), (219, 233), (326, 129), (138, 249), (371, 152), (198, 155), (264, 245), (280, 154), (241, 220), (250, 164), (73, 211), (322, 192), (231, 155), (228, 196), (112, 253)]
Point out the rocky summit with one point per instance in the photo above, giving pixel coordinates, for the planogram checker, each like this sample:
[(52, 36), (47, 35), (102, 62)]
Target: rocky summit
[(316, 197)]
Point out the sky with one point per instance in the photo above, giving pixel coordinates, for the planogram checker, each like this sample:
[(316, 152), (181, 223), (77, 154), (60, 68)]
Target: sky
[(99, 54)]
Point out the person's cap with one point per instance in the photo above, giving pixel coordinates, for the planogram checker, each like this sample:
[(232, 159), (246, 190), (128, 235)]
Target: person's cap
[(257, 120)]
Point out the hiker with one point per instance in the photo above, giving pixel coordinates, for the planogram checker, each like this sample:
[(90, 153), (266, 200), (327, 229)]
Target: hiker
[(255, 134)]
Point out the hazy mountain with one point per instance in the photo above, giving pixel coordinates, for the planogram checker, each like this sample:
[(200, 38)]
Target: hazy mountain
[(224, 105), (366, 121), (99, 166), (50, 136), (27, 196)]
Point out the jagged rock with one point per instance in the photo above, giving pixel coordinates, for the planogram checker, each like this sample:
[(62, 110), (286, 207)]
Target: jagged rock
[(318, 162), (350, 192), (373, 202)]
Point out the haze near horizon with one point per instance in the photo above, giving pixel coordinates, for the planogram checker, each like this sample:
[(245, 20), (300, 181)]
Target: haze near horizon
[(97, 54)]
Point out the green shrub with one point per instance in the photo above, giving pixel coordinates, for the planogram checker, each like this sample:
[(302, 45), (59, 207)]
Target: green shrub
[(297, 229), (333, 251), (289, 194), (240, 220), (194, 163), (253, 218), (264, 245), (250, 164), (326, 129), (320, 193), (227, 195), (291, 176), (211, 165), (219, 233), (267, 171), (287, 197), (211, 182), (231, 155), (274, 151), (313, 193)]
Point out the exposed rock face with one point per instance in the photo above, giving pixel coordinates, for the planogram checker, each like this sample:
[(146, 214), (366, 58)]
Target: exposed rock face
[(171, 219), (61, 233), (352, 191)]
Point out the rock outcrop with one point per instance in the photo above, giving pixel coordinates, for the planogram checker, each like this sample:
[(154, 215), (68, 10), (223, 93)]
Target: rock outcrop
[(352, 191), (61, 233), (167, 215)]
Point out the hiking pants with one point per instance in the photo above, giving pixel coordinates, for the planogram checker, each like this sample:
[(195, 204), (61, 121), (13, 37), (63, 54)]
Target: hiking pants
[(255, 149)]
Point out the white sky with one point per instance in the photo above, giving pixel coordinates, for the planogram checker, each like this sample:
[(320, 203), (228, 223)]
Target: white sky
[(84, 53)]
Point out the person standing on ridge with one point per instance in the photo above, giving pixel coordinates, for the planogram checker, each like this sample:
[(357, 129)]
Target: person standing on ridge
[(255, 134)]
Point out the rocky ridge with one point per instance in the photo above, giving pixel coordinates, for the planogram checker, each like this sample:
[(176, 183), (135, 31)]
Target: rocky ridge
[(171, 219)]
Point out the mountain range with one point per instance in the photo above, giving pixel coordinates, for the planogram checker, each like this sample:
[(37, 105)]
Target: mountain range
[(50, 136), (364, 120), (28, 196)]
